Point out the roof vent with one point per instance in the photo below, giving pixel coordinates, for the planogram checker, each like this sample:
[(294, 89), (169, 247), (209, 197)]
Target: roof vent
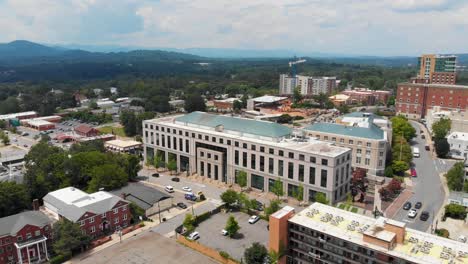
[(219, 128), (72, 188)]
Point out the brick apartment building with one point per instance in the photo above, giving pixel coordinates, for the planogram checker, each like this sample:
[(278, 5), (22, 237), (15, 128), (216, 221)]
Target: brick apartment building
[(367, 96), (86, 131), (414, 99), (24, 237), (96, 213)]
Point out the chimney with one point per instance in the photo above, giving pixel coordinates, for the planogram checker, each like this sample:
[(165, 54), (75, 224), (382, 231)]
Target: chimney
[(123, 195), (35, 204)]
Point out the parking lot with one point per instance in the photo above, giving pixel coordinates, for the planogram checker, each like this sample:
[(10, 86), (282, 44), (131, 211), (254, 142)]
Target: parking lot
[(210, 234)]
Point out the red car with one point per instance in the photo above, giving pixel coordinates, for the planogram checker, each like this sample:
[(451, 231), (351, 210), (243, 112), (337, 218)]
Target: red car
[(413, 172)]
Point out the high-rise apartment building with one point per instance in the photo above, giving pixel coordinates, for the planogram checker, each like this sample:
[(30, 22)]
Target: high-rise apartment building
[(437, 68), (325, 234), (308, 85), (219, 147)]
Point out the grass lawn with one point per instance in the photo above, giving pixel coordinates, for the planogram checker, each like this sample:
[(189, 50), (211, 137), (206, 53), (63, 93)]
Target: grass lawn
[(119, 131)]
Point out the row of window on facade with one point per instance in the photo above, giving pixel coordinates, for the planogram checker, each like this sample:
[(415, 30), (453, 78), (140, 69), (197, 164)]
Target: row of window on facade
[(432, 103), (115, 211), (290, 169), (19, 238), (350, 141), (165, 141)]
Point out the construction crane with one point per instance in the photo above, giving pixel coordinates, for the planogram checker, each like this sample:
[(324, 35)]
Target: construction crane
[(292, 65)]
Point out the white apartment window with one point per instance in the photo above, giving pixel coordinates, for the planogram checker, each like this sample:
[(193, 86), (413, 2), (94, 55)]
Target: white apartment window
[(367, 152), (381, 154), (367, 161), (341, 140), (83, 231), (333, 139), (103, 215), (368, 144), (358, 160), (116, 210), (28, 235), (351, 142), (37, 233), (124, 208), (81, 223), (124, 217), (358, 151), (380, 163), (93, 229), (91, 220), (359, 143), (116, 220)]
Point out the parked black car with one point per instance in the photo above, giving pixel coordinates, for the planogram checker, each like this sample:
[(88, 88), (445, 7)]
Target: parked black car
[(175, 179), (418, 205), (155, 175), (182, 205), (424, 216), (407, 206)]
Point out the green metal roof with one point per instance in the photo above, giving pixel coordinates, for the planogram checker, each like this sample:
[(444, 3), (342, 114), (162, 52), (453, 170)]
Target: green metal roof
[(248, 126), (363, 114), (373, 132)]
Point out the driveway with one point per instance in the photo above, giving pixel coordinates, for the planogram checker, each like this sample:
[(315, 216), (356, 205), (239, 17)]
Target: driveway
[(210, 234), (427, 187)]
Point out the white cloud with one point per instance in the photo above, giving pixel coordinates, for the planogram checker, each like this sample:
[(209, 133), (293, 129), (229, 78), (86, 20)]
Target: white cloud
[(339, 26)]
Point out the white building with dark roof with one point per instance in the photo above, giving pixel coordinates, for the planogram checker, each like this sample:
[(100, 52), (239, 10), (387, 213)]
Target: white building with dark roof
[(219, 147)]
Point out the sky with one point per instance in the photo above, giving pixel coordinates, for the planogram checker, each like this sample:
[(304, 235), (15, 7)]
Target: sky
[(364, 27)]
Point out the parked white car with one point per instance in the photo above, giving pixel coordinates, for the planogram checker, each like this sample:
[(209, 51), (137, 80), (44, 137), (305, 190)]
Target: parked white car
[(187, 189), (224, 232), (412, 213), (194, 236), (253, 219)]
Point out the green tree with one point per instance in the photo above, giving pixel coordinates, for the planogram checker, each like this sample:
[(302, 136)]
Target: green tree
[(344, 109), (277, 188), (158, 160), (107, 176), (388, 172), (133, 166), (68, 237), (14, 198), (441, 128), (465, 187), (194, 102), (189, 223), (256, 254), (399, 166), (3, 124), (237, 105), (273, 207), (129, 121), (232, 226), (284, 119), (299, 195), (242, 179), (172, 165), (442, 147), (5, 139), (455, 177), (402, 127), (229, 197), (321, 198), (297, 96)]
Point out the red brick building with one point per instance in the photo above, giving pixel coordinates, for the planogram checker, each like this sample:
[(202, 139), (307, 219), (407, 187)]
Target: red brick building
[(97, 214), (86, 131), (414, 99), (24, 237)]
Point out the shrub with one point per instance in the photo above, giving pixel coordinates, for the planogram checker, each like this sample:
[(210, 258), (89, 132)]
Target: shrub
[(224, 254), (455, 211), (442, 232), (354, 210), (341, 206), (60, 259)]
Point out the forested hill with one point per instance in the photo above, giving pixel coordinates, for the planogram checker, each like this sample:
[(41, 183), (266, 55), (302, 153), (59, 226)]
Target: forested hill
[(21, 52)]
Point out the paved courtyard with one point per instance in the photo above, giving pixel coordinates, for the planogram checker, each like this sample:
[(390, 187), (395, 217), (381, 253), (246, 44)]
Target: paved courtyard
[(149, 247), (210, 234)]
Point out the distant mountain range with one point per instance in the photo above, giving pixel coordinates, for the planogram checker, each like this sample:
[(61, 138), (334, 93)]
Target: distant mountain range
[(25, 52)]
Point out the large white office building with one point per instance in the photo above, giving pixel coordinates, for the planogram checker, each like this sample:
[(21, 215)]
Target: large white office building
[(219, 147)]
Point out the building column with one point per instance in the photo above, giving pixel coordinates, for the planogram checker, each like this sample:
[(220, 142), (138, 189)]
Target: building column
[(39, 252), (178, 162), (27, 251), (44, 244), (18, 252)]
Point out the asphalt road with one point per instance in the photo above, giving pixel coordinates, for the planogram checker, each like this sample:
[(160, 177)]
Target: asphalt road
[(427, 187)]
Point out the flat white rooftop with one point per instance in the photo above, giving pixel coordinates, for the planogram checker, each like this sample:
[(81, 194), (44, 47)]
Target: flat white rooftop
[(123, 143), (77, 197), (268, 99), (418, 246)]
